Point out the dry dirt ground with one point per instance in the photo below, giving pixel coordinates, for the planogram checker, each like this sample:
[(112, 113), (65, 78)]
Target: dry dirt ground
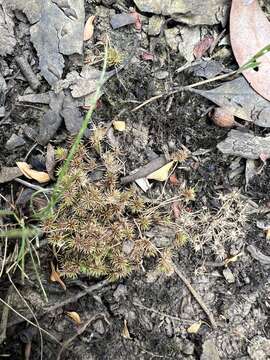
[(146, 316)]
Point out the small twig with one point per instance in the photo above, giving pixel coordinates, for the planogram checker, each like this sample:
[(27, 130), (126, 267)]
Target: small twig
[(32, 186), (72, 298), (79, 332), (196, 296), (145, 170), (4, 317), (27, 72), (159, 312), (184, 88)]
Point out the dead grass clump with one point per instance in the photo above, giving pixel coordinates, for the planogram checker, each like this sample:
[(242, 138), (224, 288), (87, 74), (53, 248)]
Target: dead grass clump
[(226, 226), (98, 227)]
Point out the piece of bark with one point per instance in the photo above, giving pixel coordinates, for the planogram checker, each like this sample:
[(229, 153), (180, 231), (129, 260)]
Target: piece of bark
[(241, 100), (245, 145), (27, 72), (145, 170)]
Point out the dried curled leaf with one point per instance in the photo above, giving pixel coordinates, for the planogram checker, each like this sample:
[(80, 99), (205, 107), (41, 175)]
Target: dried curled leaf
[(73, 315), (194, 328), (39, 176), (250, 33), (162, 173), (55, 277), (125, 331), (89, 28), (119, 125)]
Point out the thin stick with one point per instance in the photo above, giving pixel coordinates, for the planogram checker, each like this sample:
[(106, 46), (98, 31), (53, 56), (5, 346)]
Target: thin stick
[(32, 186), (72, 298), (23, 318), (184, 88), (160, 313), (196, 296)]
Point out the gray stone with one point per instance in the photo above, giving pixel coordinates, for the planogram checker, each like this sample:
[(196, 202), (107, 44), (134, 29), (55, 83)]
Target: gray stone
[(192, 12), (188, 348), (155, 25), (161, 75), (259, 348), (188, 39), (14, 141), (227, 273), (172, 38), (209, 351), (99, 327), (120, 292), (128, 246)]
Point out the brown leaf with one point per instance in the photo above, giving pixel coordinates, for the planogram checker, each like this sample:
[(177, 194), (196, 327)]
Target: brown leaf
[(194, 328), (202, 46), (119, 125), (55, 277), (125, 331), (50, 161), (39, 176), (74, 316), (162, 173), (250, 33), (89, 28)]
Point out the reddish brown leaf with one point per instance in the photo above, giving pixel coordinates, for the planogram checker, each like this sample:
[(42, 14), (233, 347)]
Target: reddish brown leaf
[(174, 180), (202, 46), (147, 56), (250, 33), (138, 22)]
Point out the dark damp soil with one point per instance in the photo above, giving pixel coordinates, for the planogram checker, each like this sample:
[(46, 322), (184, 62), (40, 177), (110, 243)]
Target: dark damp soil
[(145, 316)]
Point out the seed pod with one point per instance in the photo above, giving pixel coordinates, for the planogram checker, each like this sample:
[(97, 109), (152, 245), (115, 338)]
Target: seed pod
[(222, 118)]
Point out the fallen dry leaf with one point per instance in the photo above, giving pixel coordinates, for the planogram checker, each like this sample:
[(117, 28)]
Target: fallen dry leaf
[(89, 28), (125, 331), (202, 46), (233, 258), (162, 173), (119, 125), (55, 277), (147, 56), (250, 33), (238, 98), (39, 176), (174, 180), (194, 328), (74, 316)]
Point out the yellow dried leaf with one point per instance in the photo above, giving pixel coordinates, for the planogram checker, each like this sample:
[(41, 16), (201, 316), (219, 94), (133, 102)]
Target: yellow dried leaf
[(125, 331), (39, 176), (119, 125), (55, 277), (233, 258), (162, 173), (74, 316), (89, 28), (194, 328)]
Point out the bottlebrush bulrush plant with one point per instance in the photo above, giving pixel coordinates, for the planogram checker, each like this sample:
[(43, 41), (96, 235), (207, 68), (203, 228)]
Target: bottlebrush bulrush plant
[(98, 228)]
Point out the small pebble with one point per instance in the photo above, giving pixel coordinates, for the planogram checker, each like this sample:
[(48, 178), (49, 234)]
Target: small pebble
[(155, 25), (99, 327), (229, 276), (14, 142), (120, 292), (222, 118)]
